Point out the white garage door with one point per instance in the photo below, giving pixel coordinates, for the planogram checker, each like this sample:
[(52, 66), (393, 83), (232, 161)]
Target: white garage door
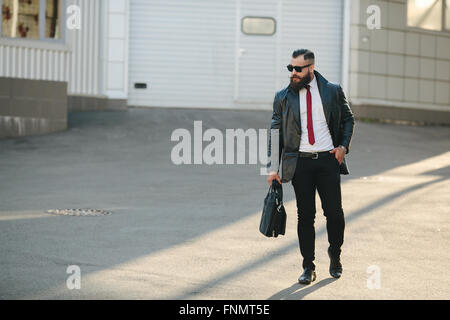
[(314, 25), (194, 53)]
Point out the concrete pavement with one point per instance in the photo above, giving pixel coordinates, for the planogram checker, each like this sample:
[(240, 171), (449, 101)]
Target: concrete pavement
[(191, 231)]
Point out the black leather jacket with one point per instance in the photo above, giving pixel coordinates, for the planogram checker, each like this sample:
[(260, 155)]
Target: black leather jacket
[(286, 118)]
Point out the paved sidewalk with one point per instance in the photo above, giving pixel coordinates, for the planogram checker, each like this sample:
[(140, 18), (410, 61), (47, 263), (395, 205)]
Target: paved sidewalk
[(191, 232)]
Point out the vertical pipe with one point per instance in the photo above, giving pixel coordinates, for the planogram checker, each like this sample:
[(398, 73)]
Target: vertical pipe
[(85, 46), (278, 44), (90, 55), (78, 71), (237, 49), (346, 46), (95, 49), (126, 45), (102, 35)]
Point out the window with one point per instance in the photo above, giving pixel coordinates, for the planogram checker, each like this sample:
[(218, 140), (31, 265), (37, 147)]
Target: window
[(429, 14), (20, 19), (258, 26), (31, 19)]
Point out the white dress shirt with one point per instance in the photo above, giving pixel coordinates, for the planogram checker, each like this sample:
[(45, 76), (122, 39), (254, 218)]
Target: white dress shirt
[(322, 136)]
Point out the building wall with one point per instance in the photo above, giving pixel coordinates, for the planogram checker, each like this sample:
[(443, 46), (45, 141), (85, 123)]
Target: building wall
[(194, 53), (92, 59), (90, 64), (99, 61), (114, 54), (83, 68), (30, 107), (75, 61), (398, 72)]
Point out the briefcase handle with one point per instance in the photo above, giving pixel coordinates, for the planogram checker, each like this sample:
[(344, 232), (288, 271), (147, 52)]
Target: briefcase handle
[(277, 188)]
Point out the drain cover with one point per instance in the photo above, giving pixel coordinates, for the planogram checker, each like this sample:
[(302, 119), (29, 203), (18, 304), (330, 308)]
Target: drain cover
[(79, 212)]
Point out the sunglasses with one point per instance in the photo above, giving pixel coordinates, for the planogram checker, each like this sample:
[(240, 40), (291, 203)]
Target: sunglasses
[(297, 68)]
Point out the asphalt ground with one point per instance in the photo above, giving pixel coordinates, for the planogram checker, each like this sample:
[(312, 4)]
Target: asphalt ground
[(191, 231)]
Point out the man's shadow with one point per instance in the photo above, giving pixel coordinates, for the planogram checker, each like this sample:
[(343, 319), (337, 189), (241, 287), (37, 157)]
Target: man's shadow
[(293, 292)]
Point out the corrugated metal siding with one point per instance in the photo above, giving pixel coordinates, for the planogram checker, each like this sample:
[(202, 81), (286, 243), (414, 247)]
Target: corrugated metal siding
[(84, 61), (78, 65), (33, 63), (186, 51)]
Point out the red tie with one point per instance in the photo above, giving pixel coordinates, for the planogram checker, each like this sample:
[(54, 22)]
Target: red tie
[(309, 116)]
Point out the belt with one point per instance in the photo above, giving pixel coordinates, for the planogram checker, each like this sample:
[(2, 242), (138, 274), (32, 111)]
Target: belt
[(313, 155)]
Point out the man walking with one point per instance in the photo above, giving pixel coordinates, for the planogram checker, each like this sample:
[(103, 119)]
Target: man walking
[(315, 126)]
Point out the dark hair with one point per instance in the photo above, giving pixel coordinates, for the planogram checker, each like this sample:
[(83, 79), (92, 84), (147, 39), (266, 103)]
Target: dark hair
[(307, 54)]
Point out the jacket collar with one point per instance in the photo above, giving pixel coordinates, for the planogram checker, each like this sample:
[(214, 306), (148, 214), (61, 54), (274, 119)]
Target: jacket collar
[(324, 96)]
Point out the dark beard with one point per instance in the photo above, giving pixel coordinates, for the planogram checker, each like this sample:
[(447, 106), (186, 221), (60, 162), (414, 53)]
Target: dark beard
[(296, 86)]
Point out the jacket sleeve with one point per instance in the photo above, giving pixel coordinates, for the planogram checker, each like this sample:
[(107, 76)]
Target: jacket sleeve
[(347, 120), (276, 124)]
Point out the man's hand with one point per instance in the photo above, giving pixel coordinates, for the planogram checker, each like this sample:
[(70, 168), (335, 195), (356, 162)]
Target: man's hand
[(272, 176), (339, 153)]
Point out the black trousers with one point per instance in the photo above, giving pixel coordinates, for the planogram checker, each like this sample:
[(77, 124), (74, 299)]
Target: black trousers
[(321, 174)]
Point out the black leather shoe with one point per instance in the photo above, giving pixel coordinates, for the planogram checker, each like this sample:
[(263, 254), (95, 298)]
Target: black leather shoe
[(335, 266), (307, 276)]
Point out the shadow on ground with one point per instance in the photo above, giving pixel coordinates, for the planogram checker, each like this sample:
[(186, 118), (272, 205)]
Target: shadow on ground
[(298, 291), (120, 161)]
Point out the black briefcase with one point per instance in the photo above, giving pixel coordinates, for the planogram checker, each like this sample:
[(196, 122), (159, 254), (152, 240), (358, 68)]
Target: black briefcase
[(273, 219)]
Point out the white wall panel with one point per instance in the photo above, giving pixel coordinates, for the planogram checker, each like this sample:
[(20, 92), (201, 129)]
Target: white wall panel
[(114, 49), (83, 66), (257, 62), (187, 51), (184, 51), (315, 25)]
